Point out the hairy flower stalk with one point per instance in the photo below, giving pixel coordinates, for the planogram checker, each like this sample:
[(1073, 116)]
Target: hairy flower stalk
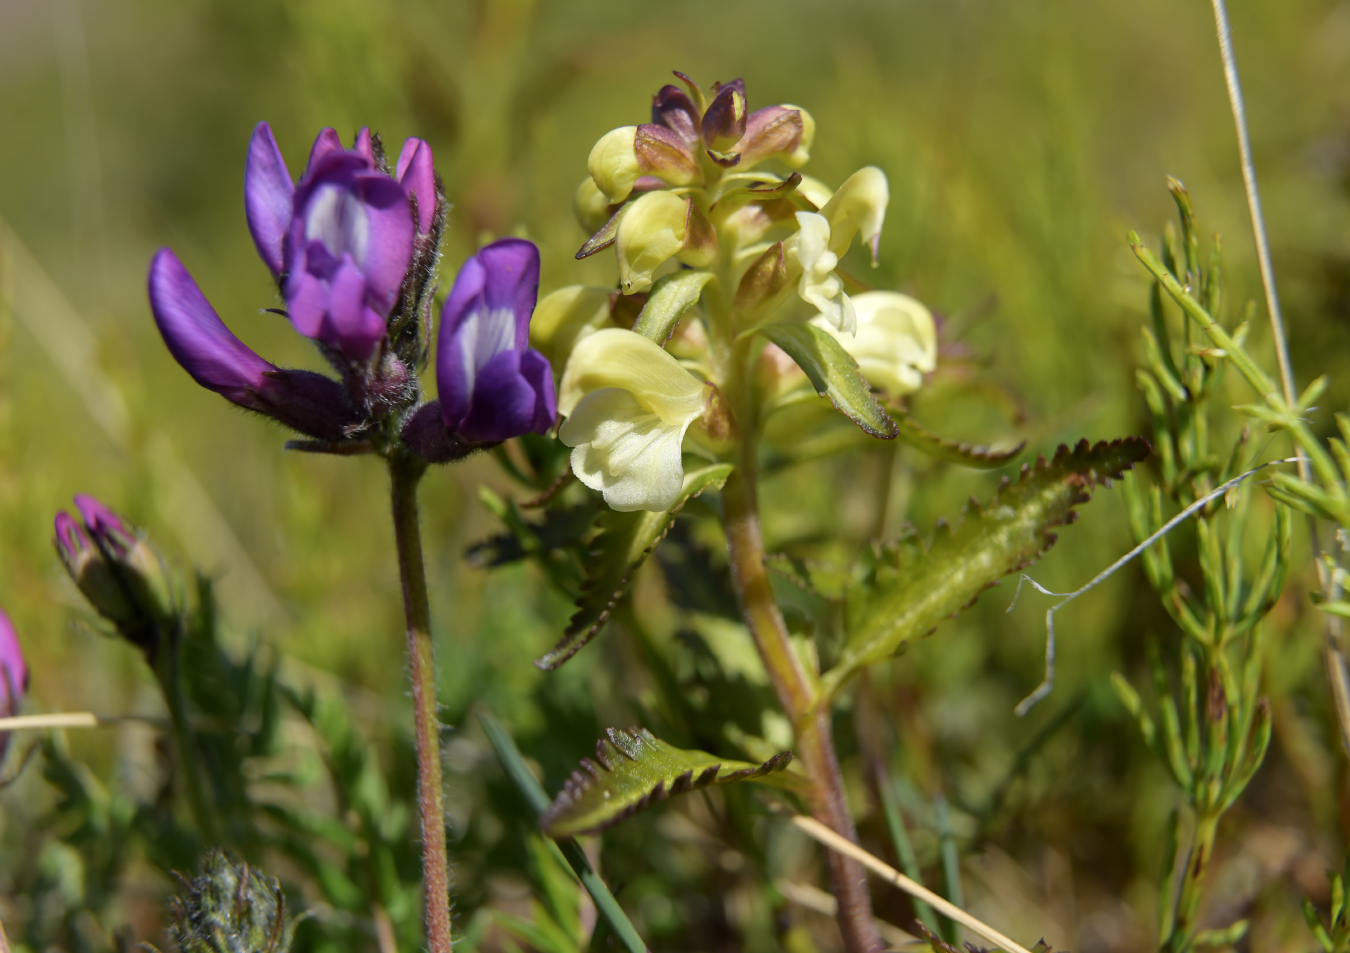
[(353, 248), (679, 191)]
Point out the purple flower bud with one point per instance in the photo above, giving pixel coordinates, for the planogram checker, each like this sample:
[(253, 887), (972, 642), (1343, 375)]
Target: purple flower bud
[(13, 675), (268, 196), (198, 339), (117, 571), (492, 386), (673, 108), (417, 174), (349, 246), (724, 122)]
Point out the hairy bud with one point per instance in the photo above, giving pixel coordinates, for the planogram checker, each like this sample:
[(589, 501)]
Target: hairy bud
[(230, 908)]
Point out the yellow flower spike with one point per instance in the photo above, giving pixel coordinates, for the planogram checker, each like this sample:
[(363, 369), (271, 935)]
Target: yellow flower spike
[(651, 232), (613, 163), (896, 340), (809, 248), (628, 404), (859, 205), (566, 316), (592, 207)]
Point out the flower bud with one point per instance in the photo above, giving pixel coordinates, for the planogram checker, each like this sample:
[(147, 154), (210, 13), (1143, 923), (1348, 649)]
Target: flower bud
[(776, 132), (661, 153), (651, 232), (13, 675), (673, 108), (613, 163), (724, 122), (230, 908), (659, 226), (858, 206), (592, 207), (566, 316), (895, 343), (762, 284), (117, 571)]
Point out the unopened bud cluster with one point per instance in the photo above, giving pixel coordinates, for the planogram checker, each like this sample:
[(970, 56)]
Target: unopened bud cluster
[(230, 908)]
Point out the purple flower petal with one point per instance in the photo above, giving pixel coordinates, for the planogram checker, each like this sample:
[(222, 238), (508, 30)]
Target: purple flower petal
[(352, 327), (326, 144), (99, 518), (673, 108), (503, 404), (724, 122), (306, 303), (197, 338), (417, 175), (390, 237), (71, 538), (535, 368), (13, 674), (362, 146), (488, 311), (268, 196)]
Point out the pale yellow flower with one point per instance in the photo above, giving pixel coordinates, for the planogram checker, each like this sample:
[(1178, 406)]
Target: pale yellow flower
[(628, 404), (895, 344)]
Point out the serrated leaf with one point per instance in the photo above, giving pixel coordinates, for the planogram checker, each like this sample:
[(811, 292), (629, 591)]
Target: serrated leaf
[(909, 599), (963, 454), (834, 374), (670, 298), (623, 544), (559, 529), (634, 769)]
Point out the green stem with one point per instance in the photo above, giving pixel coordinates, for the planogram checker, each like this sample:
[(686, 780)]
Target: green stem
[(1197, 867), (171, 683), (404, 475), (797, 695)]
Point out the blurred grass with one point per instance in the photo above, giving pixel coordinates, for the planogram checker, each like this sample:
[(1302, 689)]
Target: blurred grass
[(1021, 140)]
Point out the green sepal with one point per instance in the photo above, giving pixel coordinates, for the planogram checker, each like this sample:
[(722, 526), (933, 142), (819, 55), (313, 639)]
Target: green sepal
[(918, 588), (670, 298), (604, 237), (633, 770), (963, 454), (622, 545), (833, 373)]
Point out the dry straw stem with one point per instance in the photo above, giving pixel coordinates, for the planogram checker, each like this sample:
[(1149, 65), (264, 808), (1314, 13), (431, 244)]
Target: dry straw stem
[(1335, 657), (830, 839), (813, 898), (65, 719)]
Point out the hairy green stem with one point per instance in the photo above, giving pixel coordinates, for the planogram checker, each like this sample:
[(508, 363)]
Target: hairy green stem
[(815, 746), (404, 475)]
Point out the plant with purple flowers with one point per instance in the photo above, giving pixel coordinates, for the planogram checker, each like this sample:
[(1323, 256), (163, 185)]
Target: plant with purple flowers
[(353, 247)]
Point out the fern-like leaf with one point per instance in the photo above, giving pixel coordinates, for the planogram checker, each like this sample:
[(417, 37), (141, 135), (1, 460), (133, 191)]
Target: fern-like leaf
[(962, 454)]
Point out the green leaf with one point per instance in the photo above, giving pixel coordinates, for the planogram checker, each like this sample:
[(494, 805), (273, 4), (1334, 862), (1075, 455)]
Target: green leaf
[(604, 237), (1223, 937), (834, 374), (636, 769), (962, 454), (670, 298), (623, 544), (917, 588)]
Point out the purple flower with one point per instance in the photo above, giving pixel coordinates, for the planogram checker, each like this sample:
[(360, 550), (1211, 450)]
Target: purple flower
[(492, 386), (219, 361), (13, 675), (341, 241)]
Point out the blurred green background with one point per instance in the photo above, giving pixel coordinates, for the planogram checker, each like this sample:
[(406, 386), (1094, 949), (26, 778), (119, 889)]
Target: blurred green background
[(1021, 141)]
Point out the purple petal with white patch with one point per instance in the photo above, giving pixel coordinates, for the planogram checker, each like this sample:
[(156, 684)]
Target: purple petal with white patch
[(196, 336), (492, 387), (416, 172), (268, 196), (349, 246)]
